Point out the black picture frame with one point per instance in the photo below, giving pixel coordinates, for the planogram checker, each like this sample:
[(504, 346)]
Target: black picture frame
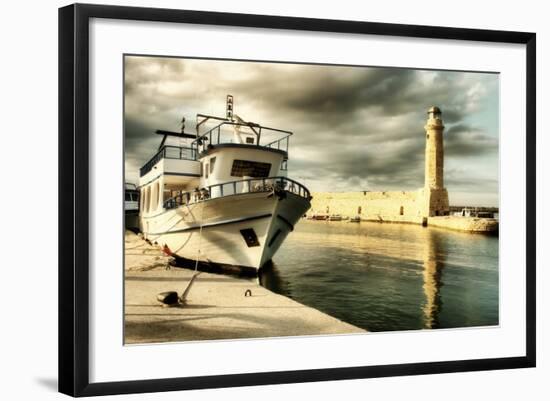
[(74, 198)]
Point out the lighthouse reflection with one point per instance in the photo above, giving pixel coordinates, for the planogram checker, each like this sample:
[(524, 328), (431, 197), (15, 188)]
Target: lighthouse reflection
[(432, 282)]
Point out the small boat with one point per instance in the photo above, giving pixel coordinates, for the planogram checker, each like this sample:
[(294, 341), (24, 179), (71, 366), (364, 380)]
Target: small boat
[(356, 219), (474, 212), (319, 216), (131, 206), (486, 215), (335, 217), (131, 198), (221, 195)]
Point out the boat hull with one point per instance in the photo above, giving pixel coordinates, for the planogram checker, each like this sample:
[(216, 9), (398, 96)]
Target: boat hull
[(240, 230)]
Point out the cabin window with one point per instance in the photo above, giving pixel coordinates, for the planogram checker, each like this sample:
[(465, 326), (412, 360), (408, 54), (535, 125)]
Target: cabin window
[(150, 198), (401, 211), (166, 194), (127, 197), (206, 171), (212, 162), (147, 198), (156, 196), (249, 140), (284, 165), (247, 168), (250, 237)]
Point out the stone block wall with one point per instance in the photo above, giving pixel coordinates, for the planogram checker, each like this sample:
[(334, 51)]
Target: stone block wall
[(390, 206), (386, 207), (436, 202), (468, 224)]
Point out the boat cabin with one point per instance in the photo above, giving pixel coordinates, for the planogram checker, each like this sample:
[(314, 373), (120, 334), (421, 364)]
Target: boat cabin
[(226, 156)]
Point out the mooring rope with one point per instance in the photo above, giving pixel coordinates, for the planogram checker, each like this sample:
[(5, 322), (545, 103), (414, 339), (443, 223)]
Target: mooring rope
[(157, 236), (183, 296)]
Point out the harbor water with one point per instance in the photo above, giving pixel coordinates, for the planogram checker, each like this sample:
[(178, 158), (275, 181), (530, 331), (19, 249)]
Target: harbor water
[(385, 277)]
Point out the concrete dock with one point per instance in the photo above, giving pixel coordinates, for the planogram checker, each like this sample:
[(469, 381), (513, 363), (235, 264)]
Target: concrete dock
[(217, 307)]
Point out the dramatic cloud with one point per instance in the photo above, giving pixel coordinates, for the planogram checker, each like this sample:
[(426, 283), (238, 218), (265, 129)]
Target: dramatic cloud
[(356, 128), (463, 140)]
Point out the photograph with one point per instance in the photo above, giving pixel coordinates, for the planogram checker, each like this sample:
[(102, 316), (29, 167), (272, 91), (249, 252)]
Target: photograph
[(276, 199)]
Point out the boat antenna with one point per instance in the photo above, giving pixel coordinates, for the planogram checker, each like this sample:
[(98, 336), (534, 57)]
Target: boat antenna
[(229, 107)]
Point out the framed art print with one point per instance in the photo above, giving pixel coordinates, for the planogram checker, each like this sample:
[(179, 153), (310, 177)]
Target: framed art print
[(277, 199)]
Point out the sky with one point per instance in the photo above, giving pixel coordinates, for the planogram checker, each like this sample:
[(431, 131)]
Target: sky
[(355, 128)]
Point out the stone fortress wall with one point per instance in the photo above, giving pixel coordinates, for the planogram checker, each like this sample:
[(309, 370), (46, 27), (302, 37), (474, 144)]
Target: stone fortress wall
[(427, 205), (391, 206)]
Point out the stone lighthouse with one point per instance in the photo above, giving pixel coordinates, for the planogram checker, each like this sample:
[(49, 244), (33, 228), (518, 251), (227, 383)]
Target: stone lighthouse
[(436, 198)]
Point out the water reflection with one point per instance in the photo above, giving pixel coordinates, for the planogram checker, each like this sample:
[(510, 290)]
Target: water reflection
[(433, 268), (270, 277)]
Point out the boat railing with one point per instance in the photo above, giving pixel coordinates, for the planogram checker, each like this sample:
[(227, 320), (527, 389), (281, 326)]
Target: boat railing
[(169, 152), (280, 144), (217, 135), (277, 185)]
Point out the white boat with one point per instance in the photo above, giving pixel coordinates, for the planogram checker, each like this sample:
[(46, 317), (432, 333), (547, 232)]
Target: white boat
[(131, 198), (474, 212), (222, 196), (318, 216), (131, 206)]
